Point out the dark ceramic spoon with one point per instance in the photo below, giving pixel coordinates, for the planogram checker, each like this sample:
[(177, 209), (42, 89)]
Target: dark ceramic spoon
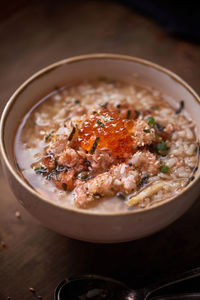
[(93, 287)]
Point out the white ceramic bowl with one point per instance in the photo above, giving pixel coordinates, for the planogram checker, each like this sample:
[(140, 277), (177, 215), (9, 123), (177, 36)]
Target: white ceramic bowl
[(82, 224)]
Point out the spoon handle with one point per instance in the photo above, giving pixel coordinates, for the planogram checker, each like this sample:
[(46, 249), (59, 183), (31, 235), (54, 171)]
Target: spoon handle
[(172, 280)]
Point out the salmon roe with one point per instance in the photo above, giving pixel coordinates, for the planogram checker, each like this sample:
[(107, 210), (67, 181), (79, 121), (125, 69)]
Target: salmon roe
[(110, 130)]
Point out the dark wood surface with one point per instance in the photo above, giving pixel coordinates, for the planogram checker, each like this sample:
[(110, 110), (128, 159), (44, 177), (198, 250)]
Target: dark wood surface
[(33, 256)]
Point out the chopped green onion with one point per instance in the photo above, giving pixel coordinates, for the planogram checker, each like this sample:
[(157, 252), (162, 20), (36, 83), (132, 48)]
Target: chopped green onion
[(151, 121), (164, 169), (162, 148)]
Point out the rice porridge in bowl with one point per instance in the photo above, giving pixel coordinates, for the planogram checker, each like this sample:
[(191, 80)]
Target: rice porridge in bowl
[(107, 146)]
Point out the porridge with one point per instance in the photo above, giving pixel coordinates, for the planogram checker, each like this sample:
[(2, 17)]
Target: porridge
[(107, 146)]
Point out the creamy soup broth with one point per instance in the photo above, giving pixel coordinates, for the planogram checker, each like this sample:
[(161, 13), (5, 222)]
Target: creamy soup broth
[(107, 146)]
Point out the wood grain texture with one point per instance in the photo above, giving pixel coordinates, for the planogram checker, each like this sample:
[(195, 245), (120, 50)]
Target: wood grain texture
[(34, 256)]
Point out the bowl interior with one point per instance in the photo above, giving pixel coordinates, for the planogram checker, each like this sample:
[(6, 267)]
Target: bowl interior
[(89, 67)]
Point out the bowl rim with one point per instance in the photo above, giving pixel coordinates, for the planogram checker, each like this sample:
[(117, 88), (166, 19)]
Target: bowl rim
[(76, 59)]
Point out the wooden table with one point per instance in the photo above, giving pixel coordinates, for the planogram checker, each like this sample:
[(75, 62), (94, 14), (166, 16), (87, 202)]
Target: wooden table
[(38, 35)]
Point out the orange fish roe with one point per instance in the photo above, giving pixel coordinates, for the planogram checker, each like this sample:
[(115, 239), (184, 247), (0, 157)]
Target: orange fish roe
[(110, 131)]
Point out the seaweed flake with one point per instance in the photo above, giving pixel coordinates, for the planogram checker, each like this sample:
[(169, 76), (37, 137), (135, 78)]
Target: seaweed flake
[(64, 186), (48, 136), (77, 101), (100, 123), (143, 181), (61, 168), (87, 162), (97, 195), (41, 170), (121, 196), (181, 107), (137, 113), (18, 167), (146, 130), (104, 105), (192, 177), (52, 174), (83, 176), (128, 114), (159, 127), (72, 134), (94, 146)]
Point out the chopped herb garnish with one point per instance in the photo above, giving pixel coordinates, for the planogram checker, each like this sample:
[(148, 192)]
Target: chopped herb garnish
[(146, 130), (143, 181), (41, 170), (48, 136), (159, 127), (71, 134), (104, 105), (94, 146), (162, 148), (128, 114), (181, 106), (130, 164), (164, 169), (64, 186), (77, 101), (121, 196), (151, 121), (100, 123)]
